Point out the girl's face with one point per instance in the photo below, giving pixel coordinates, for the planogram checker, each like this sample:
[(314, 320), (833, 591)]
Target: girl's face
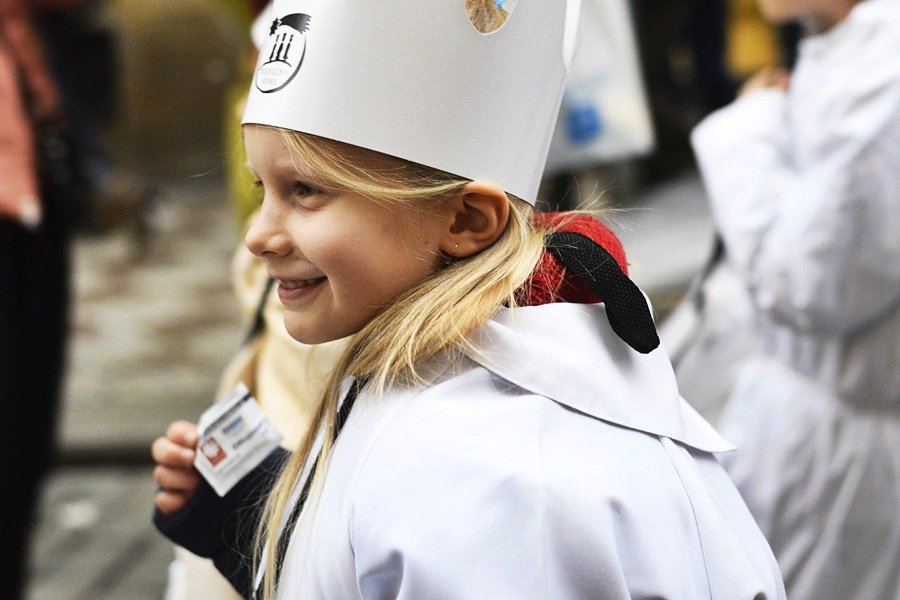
[(338, 258), (825, 13)]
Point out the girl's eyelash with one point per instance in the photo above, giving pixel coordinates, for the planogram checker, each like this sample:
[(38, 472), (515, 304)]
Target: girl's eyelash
[(300, 188), (305, 189)]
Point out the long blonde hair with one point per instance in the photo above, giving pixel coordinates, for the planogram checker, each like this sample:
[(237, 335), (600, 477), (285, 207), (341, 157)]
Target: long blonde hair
[(435, 316)]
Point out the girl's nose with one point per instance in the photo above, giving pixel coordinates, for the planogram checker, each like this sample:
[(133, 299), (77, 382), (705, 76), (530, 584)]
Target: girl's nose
[(267, 234)]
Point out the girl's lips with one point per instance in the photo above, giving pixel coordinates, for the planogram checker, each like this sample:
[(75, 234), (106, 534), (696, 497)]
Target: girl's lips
[(295, 289)]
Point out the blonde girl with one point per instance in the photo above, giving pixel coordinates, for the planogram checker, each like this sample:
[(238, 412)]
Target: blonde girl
[(493, 430)]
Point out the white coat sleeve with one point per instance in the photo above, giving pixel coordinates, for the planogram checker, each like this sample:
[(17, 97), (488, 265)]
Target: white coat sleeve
[(817, 246)]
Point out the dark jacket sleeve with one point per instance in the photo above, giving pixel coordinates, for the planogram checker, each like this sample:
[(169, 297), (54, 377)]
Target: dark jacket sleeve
[(224, 528)]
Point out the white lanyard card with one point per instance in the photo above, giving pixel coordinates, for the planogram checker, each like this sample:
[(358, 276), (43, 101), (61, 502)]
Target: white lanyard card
[(235, 437)]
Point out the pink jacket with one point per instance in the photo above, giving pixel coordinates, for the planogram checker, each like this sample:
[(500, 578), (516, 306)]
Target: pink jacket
[(21, 64)]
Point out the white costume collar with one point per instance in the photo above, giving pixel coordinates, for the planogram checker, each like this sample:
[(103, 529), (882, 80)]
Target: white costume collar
[(568, 353)]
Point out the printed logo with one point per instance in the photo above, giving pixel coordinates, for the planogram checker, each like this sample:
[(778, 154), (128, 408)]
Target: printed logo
[(212, 451), (283, 53)]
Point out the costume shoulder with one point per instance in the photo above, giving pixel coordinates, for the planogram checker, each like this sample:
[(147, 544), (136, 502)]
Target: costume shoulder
[(479, 488)]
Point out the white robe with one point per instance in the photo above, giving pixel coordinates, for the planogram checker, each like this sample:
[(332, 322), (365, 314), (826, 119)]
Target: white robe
[(551, 461), (805, 190)]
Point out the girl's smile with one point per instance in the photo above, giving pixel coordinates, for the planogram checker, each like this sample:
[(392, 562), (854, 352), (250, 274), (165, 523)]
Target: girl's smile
[(292, 290), (339, 257)]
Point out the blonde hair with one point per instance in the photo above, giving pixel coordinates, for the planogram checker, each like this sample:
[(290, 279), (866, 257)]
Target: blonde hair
[(436, 316)]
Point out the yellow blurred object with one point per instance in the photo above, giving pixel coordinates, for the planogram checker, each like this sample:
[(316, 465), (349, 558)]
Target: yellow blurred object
[(245, 197), (752, 41)]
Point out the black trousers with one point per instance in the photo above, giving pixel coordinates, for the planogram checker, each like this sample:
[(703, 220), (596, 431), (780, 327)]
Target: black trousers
[(34, 299)]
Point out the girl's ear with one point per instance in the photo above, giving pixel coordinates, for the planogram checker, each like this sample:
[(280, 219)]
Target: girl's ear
[(478, 214)]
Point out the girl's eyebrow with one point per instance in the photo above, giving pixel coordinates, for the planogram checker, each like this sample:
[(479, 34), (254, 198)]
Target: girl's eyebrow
[(310, 177)]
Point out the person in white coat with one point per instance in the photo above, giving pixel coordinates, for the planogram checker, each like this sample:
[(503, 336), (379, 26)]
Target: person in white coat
[(503, 423), (802, 173)]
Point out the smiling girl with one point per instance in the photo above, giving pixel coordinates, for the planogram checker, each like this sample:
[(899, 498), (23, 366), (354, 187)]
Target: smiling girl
[(502, 424)]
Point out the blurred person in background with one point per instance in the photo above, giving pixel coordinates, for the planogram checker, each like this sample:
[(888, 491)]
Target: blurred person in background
[(35, 178), (82, 58), (709, 330), (802, 176)]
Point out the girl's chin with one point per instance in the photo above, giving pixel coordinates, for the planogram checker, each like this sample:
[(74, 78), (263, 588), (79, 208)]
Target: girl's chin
[(310, 334)]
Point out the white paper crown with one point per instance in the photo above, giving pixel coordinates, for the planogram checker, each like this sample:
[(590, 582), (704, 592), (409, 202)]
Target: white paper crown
[(414, 79)]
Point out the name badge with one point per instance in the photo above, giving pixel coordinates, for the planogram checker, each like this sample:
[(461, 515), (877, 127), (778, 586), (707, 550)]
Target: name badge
[(235, 436)]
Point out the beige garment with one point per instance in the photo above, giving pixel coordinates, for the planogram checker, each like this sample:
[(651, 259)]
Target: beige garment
[(286, 377)]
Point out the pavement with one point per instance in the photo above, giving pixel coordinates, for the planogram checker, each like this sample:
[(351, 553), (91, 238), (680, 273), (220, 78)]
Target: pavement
[(155, 322)]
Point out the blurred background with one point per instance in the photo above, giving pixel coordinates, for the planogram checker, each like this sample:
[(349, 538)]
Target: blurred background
[(151, 92)]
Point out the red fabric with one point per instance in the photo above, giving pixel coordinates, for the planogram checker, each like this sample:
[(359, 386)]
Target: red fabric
[(548, 282), (21, 65)]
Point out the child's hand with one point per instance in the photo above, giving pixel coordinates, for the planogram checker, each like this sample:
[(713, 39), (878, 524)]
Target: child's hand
[(175, 472), (770, 77)]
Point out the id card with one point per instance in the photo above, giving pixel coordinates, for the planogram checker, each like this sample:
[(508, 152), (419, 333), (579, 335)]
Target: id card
[(235, 436)]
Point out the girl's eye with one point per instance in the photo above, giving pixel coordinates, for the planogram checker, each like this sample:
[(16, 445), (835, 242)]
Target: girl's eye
[(303, 189), (299, 190)]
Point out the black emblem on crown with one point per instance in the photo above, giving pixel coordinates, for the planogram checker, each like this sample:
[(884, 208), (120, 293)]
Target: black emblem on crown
[(284, 52)]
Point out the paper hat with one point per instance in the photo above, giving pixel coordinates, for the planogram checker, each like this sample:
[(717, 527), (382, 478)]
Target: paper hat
[(414, 79)]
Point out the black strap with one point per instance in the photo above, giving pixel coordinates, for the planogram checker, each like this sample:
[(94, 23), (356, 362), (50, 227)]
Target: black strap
[(695, 300), (626, 308), (716, 256), (285, 537), (259, 321)]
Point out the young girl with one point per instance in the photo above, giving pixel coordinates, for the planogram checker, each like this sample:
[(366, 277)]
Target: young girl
[(803, 178), (493, 430)]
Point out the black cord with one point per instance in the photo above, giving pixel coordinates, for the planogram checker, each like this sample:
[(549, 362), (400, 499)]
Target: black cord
[(258, 324), (626, 308), (284, 539)]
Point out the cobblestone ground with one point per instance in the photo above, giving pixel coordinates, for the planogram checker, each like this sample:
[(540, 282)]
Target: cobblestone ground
[(95, 540)]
